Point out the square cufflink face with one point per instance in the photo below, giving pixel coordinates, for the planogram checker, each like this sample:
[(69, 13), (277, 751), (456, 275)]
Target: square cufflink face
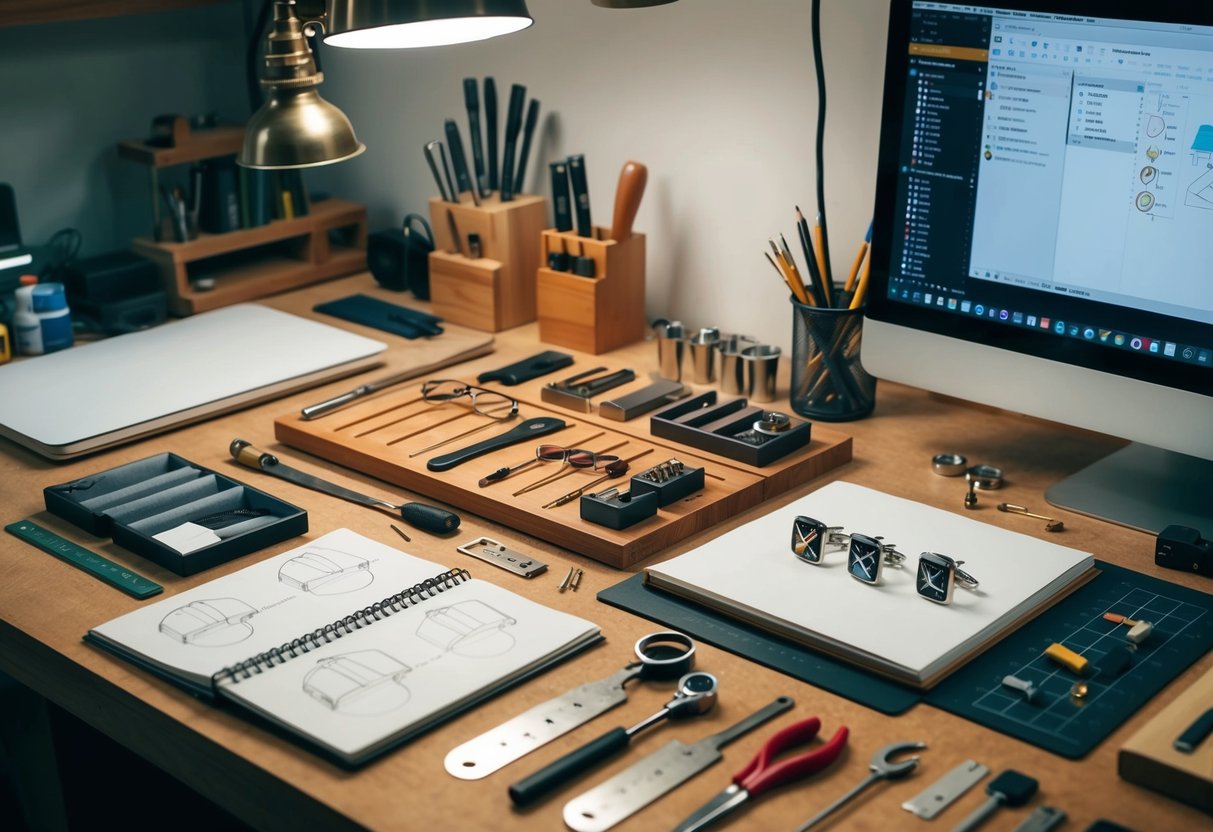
[(864, 557), (808, 537), (936, 577)]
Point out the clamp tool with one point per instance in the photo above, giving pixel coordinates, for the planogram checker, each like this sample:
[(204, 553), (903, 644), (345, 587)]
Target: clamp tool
[(575, 392), (762, 773)]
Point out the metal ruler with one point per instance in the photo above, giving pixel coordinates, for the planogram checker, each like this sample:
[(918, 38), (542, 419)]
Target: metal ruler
[(107, 570)]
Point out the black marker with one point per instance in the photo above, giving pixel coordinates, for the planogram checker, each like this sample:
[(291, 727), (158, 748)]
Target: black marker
[(560, 195), (459, 161), (472, 101), (513, 123), (532, 117), (490, 116), (581, 195)]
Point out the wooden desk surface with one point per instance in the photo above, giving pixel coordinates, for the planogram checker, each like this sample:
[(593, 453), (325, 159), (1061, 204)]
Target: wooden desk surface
[(46, 606)]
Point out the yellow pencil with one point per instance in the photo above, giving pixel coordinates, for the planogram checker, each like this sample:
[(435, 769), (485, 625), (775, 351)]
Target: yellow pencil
[(862, 289), (863, 250)]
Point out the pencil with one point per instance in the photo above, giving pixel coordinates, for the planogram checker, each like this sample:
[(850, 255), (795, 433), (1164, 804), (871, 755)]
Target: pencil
[(822, 266), (861, 289), (863, 250), (777, 262), (793, 270), (802, 228)]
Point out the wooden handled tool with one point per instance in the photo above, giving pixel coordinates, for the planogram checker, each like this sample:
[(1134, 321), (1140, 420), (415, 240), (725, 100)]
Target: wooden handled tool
[(628, 194)]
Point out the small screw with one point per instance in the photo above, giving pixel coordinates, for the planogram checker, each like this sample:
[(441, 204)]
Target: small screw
[(971, 496)]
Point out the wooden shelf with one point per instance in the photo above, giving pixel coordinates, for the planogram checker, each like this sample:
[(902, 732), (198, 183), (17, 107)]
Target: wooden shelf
[(200, 144), (23, 12), (255, 262)]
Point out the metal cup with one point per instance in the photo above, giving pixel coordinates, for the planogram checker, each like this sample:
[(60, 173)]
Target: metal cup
[(670, 344), (732, 370), (761, 364), (703, 355)]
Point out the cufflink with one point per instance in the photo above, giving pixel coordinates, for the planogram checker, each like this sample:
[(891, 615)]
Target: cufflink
[(866, 555), (938, 575), (811, 537)]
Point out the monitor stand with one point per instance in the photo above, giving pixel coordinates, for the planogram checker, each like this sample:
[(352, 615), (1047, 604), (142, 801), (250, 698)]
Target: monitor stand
[(1142, 487)]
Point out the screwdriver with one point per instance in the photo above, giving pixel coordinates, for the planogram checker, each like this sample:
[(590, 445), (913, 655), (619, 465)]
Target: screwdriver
[(425, 517), (1011, 788)]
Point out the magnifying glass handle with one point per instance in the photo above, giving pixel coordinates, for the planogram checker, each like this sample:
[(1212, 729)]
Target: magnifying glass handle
[(577, 762)]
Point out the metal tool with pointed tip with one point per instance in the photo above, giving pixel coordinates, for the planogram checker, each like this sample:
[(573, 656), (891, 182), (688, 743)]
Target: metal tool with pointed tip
[(425, 517), (882, 767), (1051, 524)]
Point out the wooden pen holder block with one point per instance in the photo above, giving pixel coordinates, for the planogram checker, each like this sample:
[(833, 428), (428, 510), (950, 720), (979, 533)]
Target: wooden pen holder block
[(593, 314), (495, 291)]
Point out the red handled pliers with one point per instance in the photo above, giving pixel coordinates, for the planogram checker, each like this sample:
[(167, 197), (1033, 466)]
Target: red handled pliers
[(762, 773)]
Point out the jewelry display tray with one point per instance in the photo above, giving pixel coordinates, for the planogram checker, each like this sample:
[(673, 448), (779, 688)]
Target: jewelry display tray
[(377, 436), (133, 502)]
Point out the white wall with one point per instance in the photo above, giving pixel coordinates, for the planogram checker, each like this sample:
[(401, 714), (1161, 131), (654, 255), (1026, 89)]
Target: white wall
[(716, 97)]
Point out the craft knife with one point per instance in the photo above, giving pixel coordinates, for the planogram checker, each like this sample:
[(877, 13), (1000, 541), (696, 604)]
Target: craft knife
[(946, 790)]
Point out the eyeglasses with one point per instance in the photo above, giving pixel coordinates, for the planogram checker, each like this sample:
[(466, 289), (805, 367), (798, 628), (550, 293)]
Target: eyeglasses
[(485, 402), (576, 457)]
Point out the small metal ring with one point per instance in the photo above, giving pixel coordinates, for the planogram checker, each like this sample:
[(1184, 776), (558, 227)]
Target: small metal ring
[(665, 667), (985, 477), (948, 465), (773, 423)]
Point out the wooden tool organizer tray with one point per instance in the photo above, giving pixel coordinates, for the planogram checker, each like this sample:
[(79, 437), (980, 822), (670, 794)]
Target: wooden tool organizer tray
[(383, 436)]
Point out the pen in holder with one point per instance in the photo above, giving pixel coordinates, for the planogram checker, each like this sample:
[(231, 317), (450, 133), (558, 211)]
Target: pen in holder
[(828, 382), (597, 313), (482, 268)]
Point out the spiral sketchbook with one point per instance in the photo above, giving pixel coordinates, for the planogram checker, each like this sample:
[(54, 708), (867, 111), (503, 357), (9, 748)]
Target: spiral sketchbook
[(348, 645)]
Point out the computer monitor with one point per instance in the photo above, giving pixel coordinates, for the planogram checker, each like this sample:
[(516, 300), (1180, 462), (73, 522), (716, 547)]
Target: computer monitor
[(1043, 231)]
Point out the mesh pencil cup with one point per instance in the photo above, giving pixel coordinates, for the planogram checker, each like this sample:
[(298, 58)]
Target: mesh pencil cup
[(828, 382)]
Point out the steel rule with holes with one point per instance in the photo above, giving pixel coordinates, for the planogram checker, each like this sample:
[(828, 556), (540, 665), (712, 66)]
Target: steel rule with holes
[(662, 655), (112, 573), (946, 790), (640, 784), (499, 554)]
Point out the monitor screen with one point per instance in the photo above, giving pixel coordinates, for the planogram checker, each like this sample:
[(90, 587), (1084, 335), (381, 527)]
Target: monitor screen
[(1044, 212)]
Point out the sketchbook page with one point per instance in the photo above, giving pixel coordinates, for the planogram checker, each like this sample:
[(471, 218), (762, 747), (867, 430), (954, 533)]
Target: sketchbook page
[(752, 569), (200, 631), (370, 687)]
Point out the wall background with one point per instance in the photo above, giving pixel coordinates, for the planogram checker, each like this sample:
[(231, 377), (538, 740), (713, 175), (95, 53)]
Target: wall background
[(716, 97)]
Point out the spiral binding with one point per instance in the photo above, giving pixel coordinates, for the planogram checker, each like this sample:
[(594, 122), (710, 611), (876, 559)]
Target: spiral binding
[(330, 632)]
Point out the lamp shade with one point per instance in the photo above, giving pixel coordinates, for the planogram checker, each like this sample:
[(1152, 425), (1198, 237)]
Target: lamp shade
[(395, 24), (296, 128)]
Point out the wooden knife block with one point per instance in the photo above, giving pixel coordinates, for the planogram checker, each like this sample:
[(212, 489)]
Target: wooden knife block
[(495, 291), (593, 314)]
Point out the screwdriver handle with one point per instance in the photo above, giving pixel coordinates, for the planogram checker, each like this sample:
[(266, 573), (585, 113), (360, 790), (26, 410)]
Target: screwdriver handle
[(429, 518), (529, 789), (979, 815)]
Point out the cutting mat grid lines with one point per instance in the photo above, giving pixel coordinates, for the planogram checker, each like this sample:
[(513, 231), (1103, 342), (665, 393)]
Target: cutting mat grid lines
[(1183, 632), (1092, 640)]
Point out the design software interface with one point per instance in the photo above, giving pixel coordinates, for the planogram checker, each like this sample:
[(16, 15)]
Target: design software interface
[(1057, 173)]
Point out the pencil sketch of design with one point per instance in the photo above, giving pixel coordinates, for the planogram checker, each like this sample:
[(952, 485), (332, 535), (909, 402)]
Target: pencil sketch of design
[(217, 622), (326, 572), (362, 683), (468, 628)]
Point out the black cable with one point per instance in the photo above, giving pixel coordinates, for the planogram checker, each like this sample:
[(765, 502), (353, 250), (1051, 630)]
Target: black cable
[(819, 68)]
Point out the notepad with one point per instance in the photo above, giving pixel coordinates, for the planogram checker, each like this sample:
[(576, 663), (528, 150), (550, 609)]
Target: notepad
[(102, 394), (752, 574), (351, 646)]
